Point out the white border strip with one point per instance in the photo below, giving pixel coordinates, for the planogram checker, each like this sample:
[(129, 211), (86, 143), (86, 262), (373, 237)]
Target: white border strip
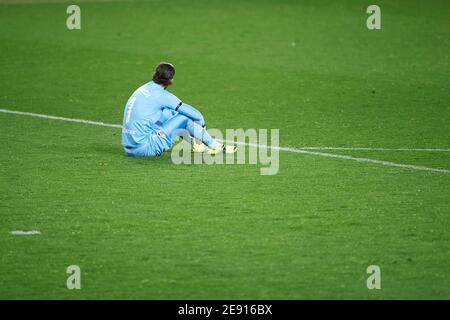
[(287, 149)]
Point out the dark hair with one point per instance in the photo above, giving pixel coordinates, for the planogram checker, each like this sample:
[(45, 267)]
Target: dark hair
[(164, 74)]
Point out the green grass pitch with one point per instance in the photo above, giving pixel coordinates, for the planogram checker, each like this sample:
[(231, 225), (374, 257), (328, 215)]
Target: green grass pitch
[(149, 229)]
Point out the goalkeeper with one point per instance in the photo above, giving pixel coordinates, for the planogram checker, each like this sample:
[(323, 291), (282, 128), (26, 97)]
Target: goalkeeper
[(154, 117)]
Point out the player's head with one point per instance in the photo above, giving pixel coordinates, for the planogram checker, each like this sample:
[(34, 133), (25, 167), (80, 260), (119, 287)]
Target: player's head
[(164, 74)]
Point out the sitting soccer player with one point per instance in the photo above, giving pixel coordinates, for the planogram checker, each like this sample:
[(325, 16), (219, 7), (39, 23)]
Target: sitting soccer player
[(154, 117)]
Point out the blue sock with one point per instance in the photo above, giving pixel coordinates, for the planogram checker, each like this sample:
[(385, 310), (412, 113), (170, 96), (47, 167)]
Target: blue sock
[(200, 133)]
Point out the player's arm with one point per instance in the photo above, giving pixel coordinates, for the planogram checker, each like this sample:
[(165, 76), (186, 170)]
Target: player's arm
[(189, 111)]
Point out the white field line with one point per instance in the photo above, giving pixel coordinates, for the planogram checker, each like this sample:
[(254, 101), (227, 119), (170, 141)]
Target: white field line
[(372, 149), (24, 233), (340, 156), (287, 149), (37, 115)]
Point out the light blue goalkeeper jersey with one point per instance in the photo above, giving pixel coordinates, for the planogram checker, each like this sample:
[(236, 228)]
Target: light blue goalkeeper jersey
[(146, 110), (143, 114)]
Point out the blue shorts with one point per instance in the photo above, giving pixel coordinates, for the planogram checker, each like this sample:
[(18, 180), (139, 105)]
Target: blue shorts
[(154, 146)]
